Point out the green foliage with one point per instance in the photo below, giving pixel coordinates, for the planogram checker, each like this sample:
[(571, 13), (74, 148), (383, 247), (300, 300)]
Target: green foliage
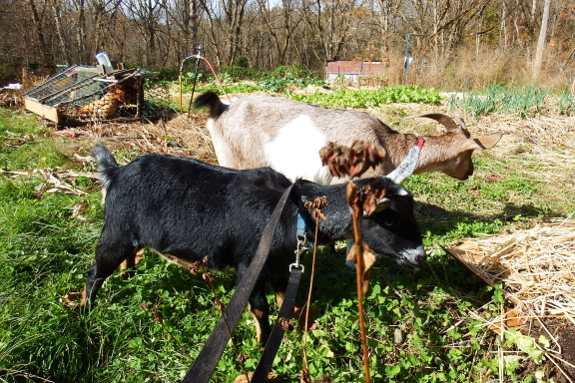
[(26, 146), (282, 84), (365, 98), (284, 77), (158, 100), (235, 80), (239, 73), (231, 88), (168, 73), (566, 104), (242, 79), (418, 323), (527, 344), (199, 77), (520, 101), (241, 61), (293, 70)]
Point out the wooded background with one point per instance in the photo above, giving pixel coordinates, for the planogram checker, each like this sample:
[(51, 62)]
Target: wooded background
[(459, 44)]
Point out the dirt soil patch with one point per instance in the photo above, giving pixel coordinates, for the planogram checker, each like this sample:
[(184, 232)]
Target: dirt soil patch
[(560, 366)]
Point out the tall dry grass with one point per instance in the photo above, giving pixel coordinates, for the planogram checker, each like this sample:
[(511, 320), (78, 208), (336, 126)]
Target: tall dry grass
[(467, 69)]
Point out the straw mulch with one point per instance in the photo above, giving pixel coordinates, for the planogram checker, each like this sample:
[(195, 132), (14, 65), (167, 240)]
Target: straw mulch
[(548, 129), (539, 130), (537, 269), (11, 98), (180, 136), (536, 266)]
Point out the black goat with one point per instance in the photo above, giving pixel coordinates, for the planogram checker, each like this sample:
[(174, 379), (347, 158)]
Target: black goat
[(185, 209)]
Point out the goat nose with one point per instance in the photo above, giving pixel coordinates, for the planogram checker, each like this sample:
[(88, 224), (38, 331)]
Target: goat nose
[(420, 256), (415, 257)]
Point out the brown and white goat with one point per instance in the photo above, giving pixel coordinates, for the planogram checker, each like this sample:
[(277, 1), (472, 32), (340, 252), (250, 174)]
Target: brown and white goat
[(287, 135)]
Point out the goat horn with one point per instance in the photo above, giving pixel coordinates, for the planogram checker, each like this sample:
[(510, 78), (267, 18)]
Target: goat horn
[(439, 117), (463, 127), (405, 170), (459, 121)]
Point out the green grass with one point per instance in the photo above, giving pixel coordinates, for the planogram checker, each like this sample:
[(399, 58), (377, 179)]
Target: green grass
[(46, 249), (523, 102)]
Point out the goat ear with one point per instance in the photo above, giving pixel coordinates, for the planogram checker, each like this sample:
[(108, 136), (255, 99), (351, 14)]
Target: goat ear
[(403, 171), (382, 204), (441, 118), (486, 142)]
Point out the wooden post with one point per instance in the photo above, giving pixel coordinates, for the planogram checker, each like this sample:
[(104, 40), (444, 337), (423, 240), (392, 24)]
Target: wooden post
[(140, 96)]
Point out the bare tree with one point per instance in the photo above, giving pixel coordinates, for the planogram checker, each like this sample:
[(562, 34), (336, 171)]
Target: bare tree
[(331, 21), (281, 23), (146, 14), (38, 23), (225, 19), (541, 41), (386, 12), (443, 22)]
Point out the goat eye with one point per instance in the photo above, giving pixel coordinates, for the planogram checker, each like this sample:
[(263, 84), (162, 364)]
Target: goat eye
[(388, 221)]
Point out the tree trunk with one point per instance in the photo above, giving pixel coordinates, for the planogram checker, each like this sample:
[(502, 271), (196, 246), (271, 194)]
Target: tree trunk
[(541, 41), (58, 23), (38, 25), (81, 33), (503, 33)]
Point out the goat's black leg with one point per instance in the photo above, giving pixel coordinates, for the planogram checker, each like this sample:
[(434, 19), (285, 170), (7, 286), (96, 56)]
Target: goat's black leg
[(93, 284), (279, 284), (108, 258), (259, 308), (127, 266)]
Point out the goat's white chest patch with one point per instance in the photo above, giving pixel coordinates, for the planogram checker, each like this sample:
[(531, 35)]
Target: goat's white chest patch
[(294, 152)]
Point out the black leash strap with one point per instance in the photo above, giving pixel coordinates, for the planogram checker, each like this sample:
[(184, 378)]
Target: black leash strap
[(276, 336), (206, 362)]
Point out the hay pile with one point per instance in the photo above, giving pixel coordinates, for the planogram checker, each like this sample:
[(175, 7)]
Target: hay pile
[(536, 266), (537, 269)]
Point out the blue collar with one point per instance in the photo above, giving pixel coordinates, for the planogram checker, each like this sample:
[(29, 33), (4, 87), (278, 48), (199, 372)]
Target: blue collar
[(301, 233), (301, 226)]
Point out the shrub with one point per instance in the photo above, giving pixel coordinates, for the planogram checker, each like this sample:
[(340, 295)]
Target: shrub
[(295, 70), (168, 73), (241, 61), (238, 73)]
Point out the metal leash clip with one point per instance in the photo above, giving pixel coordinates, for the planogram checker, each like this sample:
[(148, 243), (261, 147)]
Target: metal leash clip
[(301, 241)]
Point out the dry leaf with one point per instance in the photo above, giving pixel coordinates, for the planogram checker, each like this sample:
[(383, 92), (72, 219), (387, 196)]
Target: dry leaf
[(243, 379), (512, 319), (536, 267), (70, 298), (300, 315), (285, 324), (369, 258), (325, 379)]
